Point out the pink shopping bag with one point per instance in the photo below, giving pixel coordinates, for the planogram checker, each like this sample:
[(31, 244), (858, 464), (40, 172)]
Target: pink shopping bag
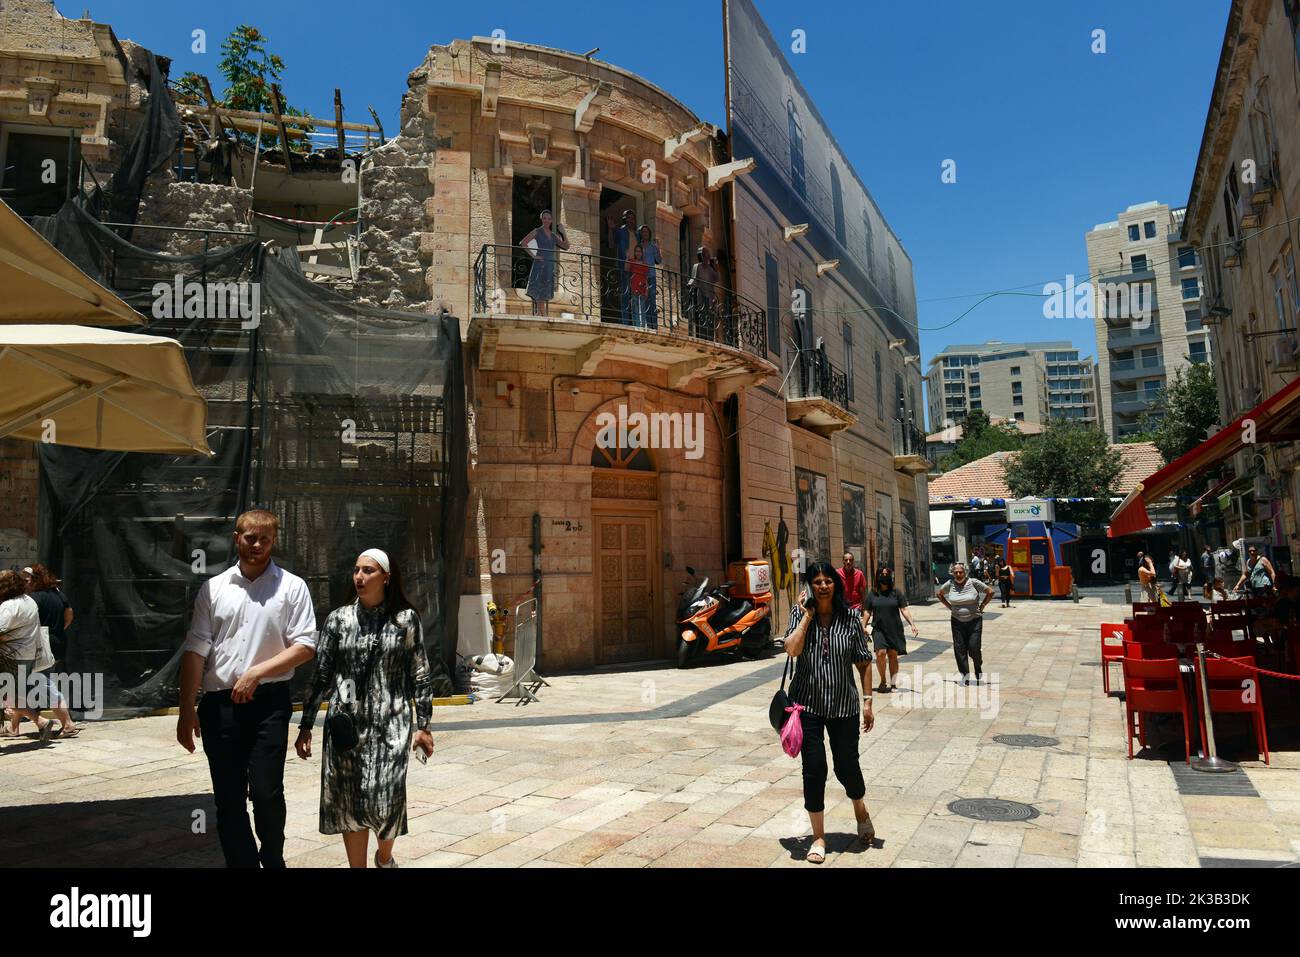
[(792, 731)]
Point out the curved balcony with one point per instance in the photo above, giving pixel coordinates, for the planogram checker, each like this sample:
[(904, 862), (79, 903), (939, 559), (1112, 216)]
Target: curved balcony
[(817, 394), (592, 308)]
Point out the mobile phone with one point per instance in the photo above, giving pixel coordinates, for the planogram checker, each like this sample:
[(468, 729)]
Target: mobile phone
[(419, 753)]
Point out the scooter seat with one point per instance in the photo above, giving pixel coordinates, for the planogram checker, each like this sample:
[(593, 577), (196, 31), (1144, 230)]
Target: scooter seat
[(729, 616)]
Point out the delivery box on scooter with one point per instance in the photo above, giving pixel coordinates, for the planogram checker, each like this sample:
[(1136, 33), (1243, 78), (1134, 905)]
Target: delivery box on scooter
[(753, 579)]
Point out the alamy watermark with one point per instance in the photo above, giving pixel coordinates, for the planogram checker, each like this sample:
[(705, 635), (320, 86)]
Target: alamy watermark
[(654, 430), (212, 300), (38, 690), (1119, 300), (936, 689)]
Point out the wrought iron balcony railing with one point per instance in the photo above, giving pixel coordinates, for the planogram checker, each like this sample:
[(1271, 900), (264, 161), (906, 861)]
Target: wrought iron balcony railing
[(603, 289), (815, 377), (908, 439)]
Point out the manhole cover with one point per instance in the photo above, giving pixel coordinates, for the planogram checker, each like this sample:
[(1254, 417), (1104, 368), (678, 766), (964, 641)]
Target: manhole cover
[(993, 809), (1026, 740)]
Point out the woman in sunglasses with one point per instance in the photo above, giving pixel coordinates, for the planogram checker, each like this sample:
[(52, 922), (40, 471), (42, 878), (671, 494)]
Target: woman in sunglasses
[(829, 643)]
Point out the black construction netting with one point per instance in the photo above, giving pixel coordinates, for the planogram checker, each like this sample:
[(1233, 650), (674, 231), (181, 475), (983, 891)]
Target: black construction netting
[(347, 422)]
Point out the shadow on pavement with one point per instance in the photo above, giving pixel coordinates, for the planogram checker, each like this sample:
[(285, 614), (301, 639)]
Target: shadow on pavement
[(130, 832)]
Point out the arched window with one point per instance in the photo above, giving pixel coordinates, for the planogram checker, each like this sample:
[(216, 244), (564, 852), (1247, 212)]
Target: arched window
[(837, 201), (797, 176), (627, 459)]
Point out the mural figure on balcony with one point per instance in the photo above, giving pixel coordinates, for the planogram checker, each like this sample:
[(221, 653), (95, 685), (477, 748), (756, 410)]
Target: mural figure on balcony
[(638, 286), (702, 291), (541, 244), (623, 239), (651, 257)]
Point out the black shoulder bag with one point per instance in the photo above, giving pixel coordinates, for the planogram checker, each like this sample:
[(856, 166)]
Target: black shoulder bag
[(341, 725), (776, 713)]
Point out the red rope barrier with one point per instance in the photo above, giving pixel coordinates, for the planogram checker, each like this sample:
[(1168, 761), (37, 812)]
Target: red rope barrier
[(1245, 667)]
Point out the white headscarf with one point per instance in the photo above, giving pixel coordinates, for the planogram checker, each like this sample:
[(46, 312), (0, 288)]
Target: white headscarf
[(380, 557)]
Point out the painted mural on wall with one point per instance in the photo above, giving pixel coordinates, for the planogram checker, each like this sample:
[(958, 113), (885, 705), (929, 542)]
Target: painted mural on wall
[(885, 531), (814, 516), (853, 507), (916, 556)]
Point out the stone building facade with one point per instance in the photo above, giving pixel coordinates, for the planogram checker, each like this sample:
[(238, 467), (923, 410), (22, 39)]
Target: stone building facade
[(505, 129), (1247, 179)]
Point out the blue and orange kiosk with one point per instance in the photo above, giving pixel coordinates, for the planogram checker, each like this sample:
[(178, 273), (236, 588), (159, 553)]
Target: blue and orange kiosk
[(1031, 542)]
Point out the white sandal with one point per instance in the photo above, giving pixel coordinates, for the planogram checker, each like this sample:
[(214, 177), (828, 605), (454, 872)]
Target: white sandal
[(815, 856)]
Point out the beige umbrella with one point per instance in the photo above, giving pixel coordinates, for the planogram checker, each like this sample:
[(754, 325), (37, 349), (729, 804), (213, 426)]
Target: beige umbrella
[(40, 285), (98, 389)]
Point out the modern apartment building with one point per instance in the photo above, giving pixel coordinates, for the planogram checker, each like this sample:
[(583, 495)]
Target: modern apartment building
[(1029, 382), (1146, 290)]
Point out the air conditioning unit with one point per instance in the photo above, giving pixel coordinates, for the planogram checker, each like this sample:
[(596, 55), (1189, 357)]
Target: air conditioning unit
[(1214, 309), (1283, 354)]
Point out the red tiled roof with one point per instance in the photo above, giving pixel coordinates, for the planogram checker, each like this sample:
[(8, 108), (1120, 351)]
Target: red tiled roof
[(954, 433), (983, 477)]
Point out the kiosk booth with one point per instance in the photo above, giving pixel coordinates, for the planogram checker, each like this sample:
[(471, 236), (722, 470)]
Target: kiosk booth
[(1031, 541)]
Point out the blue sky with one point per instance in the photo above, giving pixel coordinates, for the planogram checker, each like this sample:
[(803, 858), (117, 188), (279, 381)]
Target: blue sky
[(1049, 138)]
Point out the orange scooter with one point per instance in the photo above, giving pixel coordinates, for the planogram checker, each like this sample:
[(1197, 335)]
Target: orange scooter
[(733, 617)]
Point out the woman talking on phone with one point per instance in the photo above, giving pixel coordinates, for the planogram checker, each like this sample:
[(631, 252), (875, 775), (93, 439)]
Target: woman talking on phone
[(373, 666), (828, 641)]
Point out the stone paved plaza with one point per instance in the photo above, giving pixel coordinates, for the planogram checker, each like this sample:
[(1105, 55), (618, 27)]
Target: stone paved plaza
[(660, 768)]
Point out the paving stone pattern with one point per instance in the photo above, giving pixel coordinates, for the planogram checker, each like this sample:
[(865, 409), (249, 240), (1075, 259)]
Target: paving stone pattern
[(655, 767)]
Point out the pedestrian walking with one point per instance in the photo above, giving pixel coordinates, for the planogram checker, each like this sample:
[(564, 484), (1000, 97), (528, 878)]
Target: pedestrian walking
[(828, 643), (1207, 572), (1183, 576), (55, 616), (373, 668), (1259, 575), (884, 609), (20, 651), (1005, 580), (855, 583), (966, 598), (253, 624)]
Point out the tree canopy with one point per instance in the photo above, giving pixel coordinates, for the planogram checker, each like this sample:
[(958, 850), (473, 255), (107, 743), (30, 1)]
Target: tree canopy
[(980, 437), (1067, 460), (1184, 412)]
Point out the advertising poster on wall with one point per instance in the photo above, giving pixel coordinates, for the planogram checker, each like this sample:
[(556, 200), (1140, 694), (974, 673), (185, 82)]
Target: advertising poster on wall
[(853, 508), (885, 531)]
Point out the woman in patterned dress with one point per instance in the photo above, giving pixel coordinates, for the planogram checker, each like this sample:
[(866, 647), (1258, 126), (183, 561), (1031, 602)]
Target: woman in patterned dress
[(372, 665)]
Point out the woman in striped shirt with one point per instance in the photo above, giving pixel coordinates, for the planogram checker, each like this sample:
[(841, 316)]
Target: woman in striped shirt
[(829, 642)]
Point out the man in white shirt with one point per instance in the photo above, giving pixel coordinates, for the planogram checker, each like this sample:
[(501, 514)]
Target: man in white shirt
[(253, 625)]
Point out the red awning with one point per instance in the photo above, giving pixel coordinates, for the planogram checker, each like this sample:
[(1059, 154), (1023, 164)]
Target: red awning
[(1276, 419)]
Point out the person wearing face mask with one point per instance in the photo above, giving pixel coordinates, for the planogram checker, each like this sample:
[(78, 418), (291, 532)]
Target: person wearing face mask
[(966, 598), (373, 667)]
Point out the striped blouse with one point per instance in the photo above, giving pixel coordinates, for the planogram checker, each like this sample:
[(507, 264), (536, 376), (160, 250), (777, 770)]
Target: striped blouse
[(824, 674)]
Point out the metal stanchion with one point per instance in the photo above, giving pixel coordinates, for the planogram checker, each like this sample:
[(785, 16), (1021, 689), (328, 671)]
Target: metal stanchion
[(1128, 594), (1211, 762)]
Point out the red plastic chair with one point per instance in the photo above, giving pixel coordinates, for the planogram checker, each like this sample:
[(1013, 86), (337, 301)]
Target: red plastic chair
[(1113, 637), (1149, 651), (1154, 687), (1149, 628), (1227, 693)]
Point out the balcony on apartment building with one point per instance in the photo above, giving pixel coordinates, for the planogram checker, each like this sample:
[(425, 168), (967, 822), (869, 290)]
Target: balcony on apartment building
[(1126, 370), (701, 332), (1125, 337), (817, 394), (1134, 402), (910, 455)]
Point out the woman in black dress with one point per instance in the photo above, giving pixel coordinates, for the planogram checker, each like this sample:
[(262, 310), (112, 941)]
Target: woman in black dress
[(828, 642), (373, 666), (1004, 582), (887, 606)]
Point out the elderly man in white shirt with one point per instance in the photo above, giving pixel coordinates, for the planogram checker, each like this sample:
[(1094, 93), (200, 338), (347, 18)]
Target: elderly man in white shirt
[(253, 625)]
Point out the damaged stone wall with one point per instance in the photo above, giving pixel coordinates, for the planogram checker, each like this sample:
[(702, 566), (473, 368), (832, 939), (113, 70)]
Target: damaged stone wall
[(395, 190), (167, 202)]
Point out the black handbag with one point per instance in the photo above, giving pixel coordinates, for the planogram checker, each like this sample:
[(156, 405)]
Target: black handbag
[(776, 713), (341, 726)]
